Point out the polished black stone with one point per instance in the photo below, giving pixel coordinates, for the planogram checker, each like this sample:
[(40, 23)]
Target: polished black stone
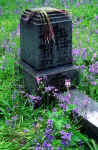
[(40, 54)]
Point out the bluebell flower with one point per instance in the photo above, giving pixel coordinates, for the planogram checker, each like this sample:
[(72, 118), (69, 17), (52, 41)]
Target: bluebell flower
[(45, 144), (49, 88), (46, 3), (50, 123), (50, 138), (65, 143), (48, 131), (25, 130), (14, 118)]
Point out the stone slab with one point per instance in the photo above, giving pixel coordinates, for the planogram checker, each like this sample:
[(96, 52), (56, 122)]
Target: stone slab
[(55, 76), (87, 109)]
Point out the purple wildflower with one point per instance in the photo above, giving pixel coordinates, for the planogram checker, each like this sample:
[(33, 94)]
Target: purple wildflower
[(77, 4), (27, 0), (50, 138), (38, 98), (93, 82), (23, 92), (25, 130), (76, 52), (17, 11), (37, 146), (32, 97), (14, 118), (94, 56), (61, 98), (7, 122), (20, 86), (82, 67), (8, 49), (14, 44), (77, 110), (91, 68), (38, 79), (50, 123), (96, 31), (2, 68), (96, 67), (14, 106), (63, 2), (48, 131), (76, 102), (66, 135), (40, 118), (14, 95), (8, 109), (49, 147), (65, 143), (63, 106), (67, 126), (49, 88), (66, 98), (54, 110), (62, 132), (96, 17), (45, 144), (12, 34), (86, 1), (84, 53), (46, 3)]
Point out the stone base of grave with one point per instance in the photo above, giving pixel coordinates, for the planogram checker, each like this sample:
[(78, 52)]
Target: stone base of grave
[(55, 76), (87, 110)]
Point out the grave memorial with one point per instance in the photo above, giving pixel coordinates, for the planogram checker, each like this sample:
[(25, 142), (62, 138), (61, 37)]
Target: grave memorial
[(46, 47), (46, 50)]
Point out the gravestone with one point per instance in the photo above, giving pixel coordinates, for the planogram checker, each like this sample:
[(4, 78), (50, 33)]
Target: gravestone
[(53, 57), (36, 50)]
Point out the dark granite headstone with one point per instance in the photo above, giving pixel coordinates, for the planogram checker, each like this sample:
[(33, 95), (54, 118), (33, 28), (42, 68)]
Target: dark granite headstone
[(38, 52), (53, 57)]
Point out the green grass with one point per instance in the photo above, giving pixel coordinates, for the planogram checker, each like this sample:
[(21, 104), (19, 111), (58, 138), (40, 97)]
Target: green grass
[(13, 103)]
